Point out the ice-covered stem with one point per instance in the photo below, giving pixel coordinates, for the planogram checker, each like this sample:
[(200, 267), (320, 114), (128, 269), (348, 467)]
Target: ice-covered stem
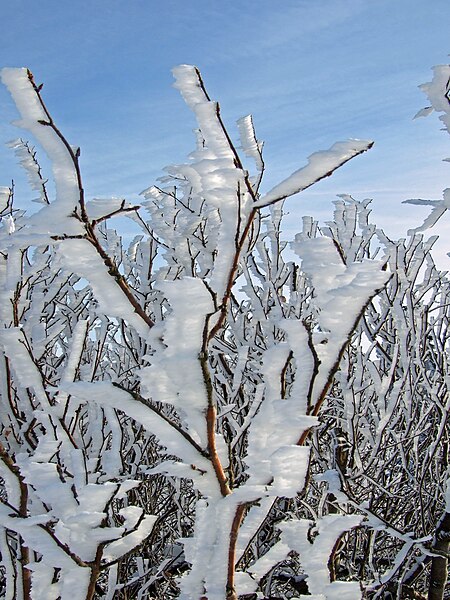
[(66, 167), (28, 159), (341, 295), (197, 93), (232, 558), (320, 165), (73, 154), (95, 572), (22, 512), (232, 275), (193, 90), (211, 422), (177, 430), (114, 272), (315, 410), (438, 92)]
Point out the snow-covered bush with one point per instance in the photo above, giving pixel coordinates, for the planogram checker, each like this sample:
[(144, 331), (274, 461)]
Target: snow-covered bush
[(199, 414)]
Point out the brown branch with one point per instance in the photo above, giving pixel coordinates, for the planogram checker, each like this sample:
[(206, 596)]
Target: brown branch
[(113, 213), (237, 521), (22, 512), (95, 572), (211, 416)]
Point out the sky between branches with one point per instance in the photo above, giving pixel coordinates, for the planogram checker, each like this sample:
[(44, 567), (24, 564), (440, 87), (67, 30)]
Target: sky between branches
[(311, 73)]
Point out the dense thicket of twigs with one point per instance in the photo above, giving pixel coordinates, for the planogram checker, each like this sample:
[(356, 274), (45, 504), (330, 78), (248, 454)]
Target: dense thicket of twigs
[(158, 402)]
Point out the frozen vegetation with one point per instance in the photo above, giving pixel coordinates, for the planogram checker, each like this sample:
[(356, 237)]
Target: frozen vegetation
[(213, 412)]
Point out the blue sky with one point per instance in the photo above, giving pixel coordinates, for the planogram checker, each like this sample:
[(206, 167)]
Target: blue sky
[(310, 71)]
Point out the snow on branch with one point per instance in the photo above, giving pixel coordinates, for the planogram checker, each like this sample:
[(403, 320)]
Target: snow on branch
[(204, 413), (438, 92), (320, 164), (440, 207), (36, 119)]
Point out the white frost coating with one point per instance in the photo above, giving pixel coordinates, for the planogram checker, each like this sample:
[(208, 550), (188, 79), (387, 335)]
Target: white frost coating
[(226, 247), (214, 135), (75, 583), (244, 583), (278, 423), (130, 540), (214, 175), (105, 394), (250, 144), (26, 155), (341, 291), (5, 194), (215, 178), (64, 173), (209, 547), (126, 486), (175, 375), (24, 96), (274, 361), (42, 585), (73, 361), (320, 165), (252, 522), (314, 558), (438, 91), (178, 469), (439, 208), (11, 485), (332, 479), (188, 83), (297, 338), (342, 590), (289, 465), (36, 538), (13, 343), (77, 342), (50, 489), (79, 522), (9, 224), (277, 553), (79, 256)]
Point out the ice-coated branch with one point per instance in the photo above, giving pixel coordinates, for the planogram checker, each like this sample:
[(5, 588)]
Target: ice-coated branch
[(320, 165), (37, 120), (438, 92), (29, 162), (440, 207), (58, 217), (204, 413)]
